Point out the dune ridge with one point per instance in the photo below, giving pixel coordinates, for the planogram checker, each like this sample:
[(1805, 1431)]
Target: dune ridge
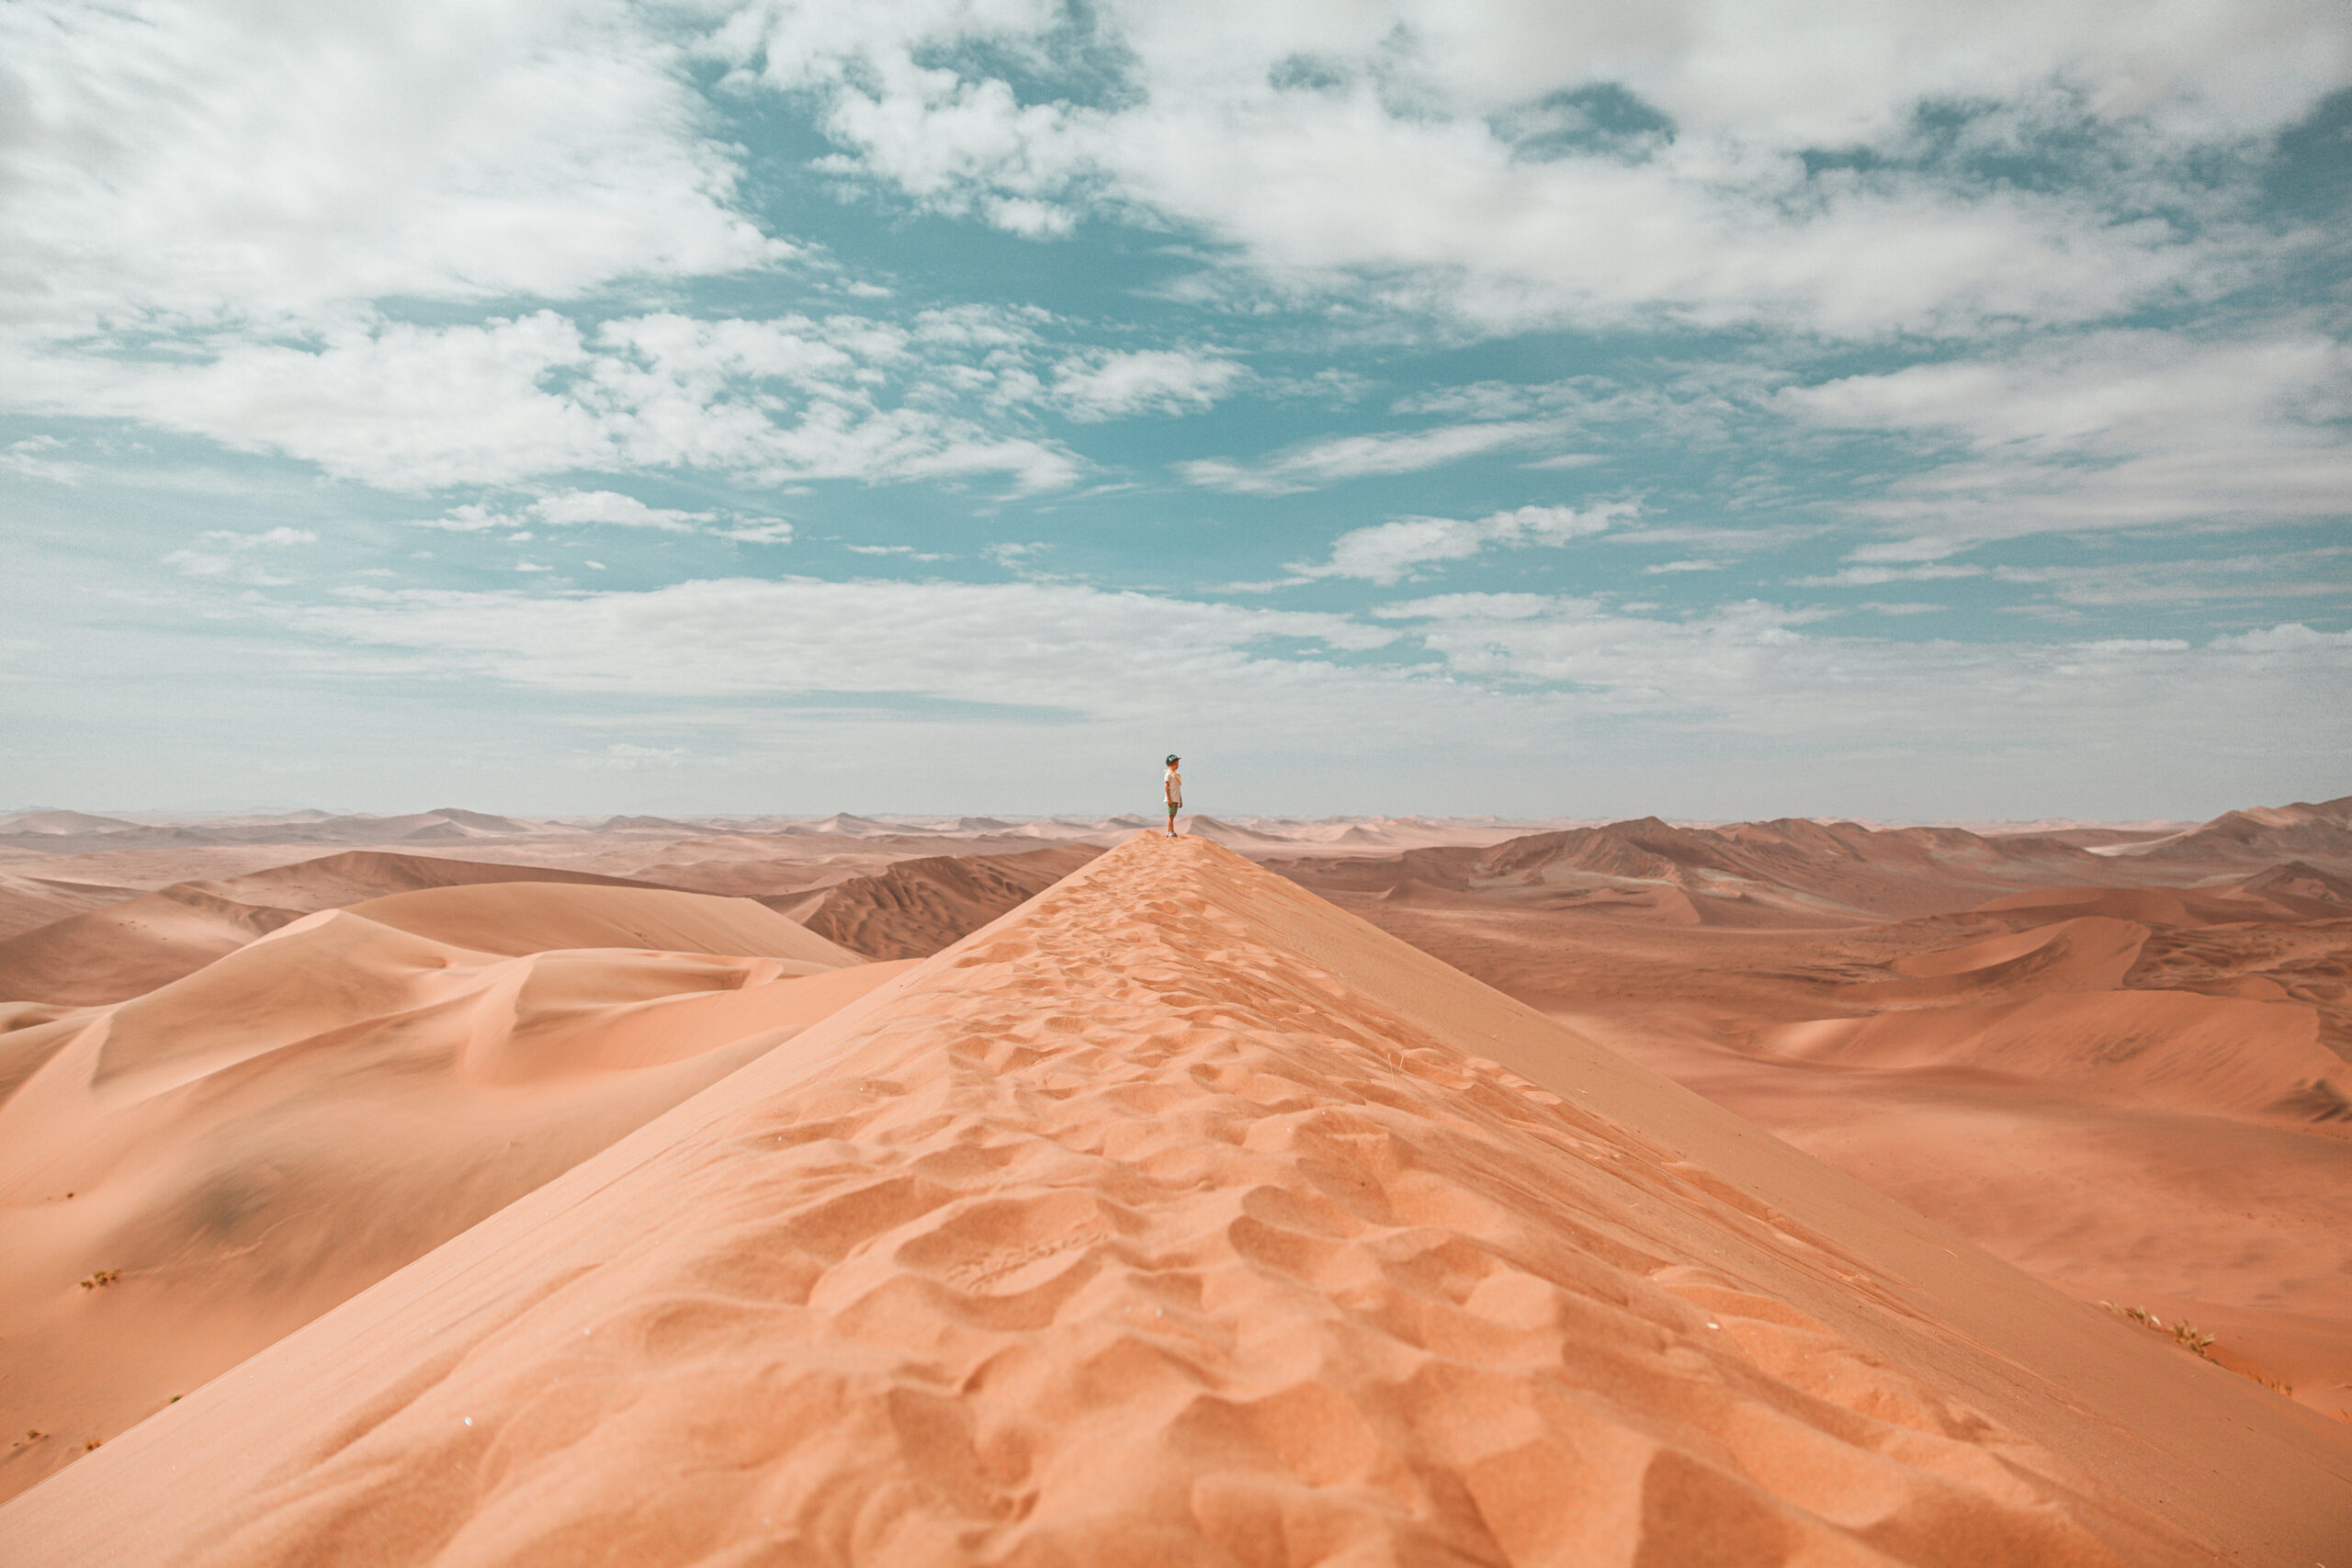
[(1179, 1217), (231, 1154), (146, 939)]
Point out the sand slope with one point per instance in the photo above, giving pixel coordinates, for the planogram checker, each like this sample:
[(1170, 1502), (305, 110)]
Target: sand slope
[(231, 1155), (917, 907), (516, 918), (2137, 1145), (27, 902), (2198, 1053), (134, 945), (1179, 1217)]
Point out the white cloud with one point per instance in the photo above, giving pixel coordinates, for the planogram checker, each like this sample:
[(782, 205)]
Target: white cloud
[(1112, 385), (1317, 464), (2298, 574), (1399, 173), (1921, 548), (1875, 576), (1388, 552), (412, 408), (177, 163), (1721, 540), (217, 552), (1753, 667), (1004, 644), (2117, 429), (905, 552), (610, 506), (29, 458), (1474, 667)]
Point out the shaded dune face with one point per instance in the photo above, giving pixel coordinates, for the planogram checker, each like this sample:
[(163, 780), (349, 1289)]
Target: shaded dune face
[(232, 1153), (916, 907), (1134, 1230)]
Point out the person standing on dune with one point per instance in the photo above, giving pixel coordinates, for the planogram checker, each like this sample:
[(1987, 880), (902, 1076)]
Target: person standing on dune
[(1172, 784)]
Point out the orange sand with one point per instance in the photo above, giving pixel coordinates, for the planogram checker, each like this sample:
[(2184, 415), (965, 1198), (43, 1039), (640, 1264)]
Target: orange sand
[(2173, 1136), (1179, 1217), (242, 1148)]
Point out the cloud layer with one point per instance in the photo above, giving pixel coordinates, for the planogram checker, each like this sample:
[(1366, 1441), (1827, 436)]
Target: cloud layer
[(1472, 390)]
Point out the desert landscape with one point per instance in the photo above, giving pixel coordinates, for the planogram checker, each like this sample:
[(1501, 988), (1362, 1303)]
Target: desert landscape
[(461, 1187), (1356, 785)]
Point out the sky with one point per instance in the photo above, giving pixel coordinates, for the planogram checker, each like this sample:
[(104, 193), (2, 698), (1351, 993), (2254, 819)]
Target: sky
[(1542, 409)]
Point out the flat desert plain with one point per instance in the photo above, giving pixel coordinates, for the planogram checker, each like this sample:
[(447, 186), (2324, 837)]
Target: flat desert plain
[(465, 1189)]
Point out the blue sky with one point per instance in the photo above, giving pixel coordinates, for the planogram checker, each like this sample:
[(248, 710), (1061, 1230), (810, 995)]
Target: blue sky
[(1902, 411)]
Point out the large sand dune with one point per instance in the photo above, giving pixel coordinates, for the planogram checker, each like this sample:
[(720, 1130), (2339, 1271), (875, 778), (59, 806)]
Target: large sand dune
[(1179, 1217), (134, 945), (186, 1177)]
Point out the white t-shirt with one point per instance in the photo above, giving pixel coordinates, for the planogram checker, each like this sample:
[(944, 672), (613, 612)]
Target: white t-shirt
[(1171, 787)]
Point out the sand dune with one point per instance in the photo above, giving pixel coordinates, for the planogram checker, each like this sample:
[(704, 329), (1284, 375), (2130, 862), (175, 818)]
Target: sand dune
[(109, 954), (917, 907), (2089, 952), (2304, 889), (232, 1153), (138, 944), (29, 901), (2153, 906), (2207, 1174), (1179, 1217), (1789, 873), (2259, 836), (516, 918), (2198, 1053)]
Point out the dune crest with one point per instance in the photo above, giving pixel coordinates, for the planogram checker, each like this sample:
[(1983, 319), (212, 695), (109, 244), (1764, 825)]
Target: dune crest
[(518, 918), (1180, 1217), (141, 941)]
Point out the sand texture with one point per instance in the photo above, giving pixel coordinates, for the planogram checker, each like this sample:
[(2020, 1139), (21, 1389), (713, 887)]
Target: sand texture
[(2141, 1093), (186, 1177), (917, 907), (1179, 1217)]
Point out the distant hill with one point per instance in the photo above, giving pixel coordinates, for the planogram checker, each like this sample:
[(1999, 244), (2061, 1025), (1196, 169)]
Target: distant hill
[(2305, 884), (1789, 870), (917, 907), (130, 948), (76, 832), (2319, 834), (55, 824)]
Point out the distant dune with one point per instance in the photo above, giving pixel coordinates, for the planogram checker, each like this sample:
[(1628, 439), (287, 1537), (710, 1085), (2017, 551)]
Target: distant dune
[(149, 940), (918, 907), (1787, 873)]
